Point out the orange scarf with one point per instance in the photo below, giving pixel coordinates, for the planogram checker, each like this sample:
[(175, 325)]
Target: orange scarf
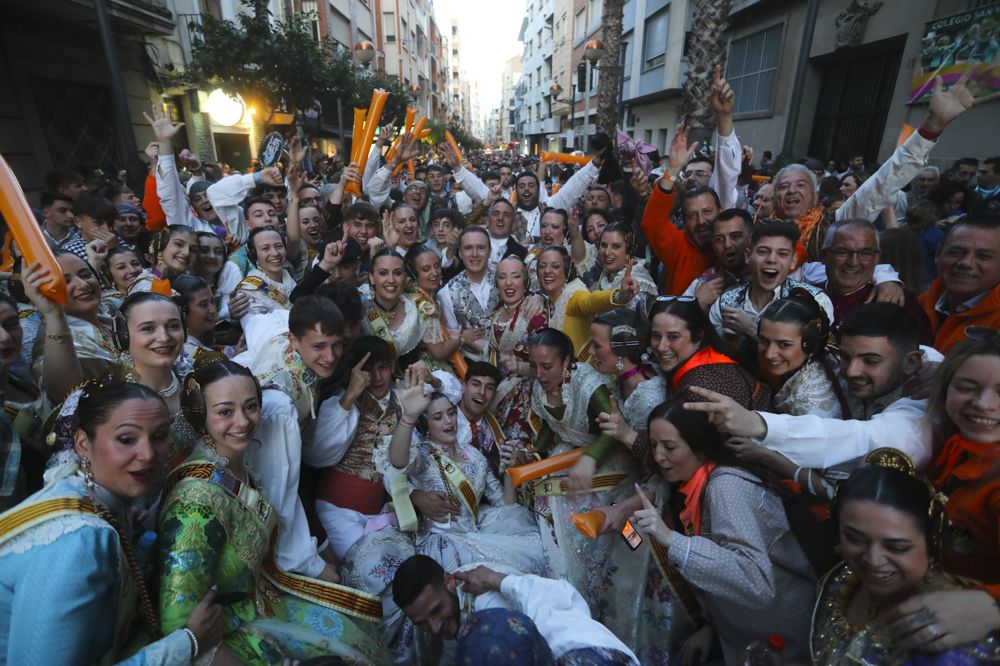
[(808, 223), (692, 491), (964, 459), (704, 356)]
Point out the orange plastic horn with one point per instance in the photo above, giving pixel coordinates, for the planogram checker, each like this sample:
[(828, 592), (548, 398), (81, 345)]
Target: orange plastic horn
[(536, 470), (454, 146), (760, 179), (407, 126), (359, 130), (379, 98), (28, 234), (589, 524), (565, 158)]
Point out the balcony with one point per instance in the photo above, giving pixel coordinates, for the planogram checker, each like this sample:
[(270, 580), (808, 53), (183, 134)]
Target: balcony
[(142, 17), (550, 126)]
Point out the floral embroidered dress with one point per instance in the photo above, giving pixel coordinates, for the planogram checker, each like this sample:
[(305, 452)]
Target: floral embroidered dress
[(486, 529), (835, 640), (809, 390), (571, 555), (420, 326), (512, 403), (67, 595), (214, 529), (267, 295)]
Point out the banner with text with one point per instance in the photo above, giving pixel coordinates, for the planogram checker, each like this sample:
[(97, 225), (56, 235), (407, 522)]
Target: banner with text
[(954, 44)]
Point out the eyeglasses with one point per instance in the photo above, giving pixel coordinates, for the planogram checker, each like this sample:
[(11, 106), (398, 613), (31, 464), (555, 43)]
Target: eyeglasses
[(981, 333), (865, 253), (679, 299), (699, 173)]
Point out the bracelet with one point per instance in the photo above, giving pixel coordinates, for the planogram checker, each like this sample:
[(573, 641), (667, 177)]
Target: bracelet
[(795, 474), (402, 419), (59, 337), (809, 482), (194, 643)]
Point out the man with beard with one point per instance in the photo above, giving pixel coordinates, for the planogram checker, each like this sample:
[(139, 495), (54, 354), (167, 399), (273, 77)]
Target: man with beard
[(770, 258), (795, 185), (730, 240), (967, 289), (878, 353), (430, 597)]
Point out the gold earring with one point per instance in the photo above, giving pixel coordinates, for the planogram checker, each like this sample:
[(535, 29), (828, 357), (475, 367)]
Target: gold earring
[(88, 474)]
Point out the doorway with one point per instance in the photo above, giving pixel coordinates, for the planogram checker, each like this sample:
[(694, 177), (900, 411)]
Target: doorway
[(854, 100)]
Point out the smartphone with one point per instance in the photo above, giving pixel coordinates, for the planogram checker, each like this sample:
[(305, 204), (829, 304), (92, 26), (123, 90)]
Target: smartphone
[(632, 538)]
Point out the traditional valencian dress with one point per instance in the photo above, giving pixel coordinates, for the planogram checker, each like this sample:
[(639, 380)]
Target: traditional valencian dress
[(67, 591), (512, 403), (486, 529), (267, 295), (217, 530), (420, 326), (571, 555), (836, 641), (809, 390)]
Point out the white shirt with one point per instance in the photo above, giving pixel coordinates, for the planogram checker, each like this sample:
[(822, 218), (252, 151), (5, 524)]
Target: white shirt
[(498, 248), (821, 443), (560, 614), (880, 190)]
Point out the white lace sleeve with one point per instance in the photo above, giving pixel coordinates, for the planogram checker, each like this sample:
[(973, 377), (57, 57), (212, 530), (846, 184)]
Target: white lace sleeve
[(432, 330)]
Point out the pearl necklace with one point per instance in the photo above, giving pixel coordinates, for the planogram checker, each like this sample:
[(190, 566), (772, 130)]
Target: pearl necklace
[(171, 390)]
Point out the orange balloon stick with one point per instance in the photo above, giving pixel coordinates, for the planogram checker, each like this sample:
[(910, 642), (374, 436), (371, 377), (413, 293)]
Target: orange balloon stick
[(454, 146), (359, 130), (536, 470), (28, 234), (407, 126), (565, 158), (368, 137)]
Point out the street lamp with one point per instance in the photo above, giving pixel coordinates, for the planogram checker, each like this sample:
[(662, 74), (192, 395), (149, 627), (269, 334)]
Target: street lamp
[(364, 52), (593, 51), (555, 90)]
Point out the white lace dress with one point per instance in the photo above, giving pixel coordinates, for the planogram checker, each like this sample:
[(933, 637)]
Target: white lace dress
[(500, 533)]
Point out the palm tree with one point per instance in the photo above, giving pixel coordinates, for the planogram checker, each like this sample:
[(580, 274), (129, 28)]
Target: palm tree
[(706, 48), (609, 84)]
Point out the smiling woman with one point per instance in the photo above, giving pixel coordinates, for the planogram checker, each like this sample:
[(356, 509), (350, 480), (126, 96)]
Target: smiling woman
[(268, 284)]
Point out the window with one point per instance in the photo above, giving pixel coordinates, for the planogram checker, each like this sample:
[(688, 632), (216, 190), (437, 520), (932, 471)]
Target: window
[(753, 68), (594, 9), (389, 27), (580, 27), (654, 40)]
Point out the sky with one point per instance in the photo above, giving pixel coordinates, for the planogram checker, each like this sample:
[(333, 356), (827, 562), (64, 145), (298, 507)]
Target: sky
[(487, 35)]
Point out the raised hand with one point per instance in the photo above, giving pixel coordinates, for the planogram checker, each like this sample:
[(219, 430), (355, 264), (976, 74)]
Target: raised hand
[(34, 277), (723, 100), (639, 182), (680, 152), (296, 152), (389, 233), (729, 416), (451, 156), (581, 476), (239, 305), (414, 396), (709, 292), (614, 425), (647, 520), (359, 381), (271, 176), (152, 151), (164, 130), (106, 236), (629, 286), (97, 252), (946, 105), (333, 254)]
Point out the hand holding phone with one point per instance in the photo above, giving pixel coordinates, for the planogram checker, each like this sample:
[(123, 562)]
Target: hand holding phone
[(632, 538)]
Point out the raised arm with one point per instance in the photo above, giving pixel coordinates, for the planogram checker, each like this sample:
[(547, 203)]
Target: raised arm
[(728, 152)]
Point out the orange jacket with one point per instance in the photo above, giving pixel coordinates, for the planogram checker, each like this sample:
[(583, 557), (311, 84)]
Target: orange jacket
[(156, 219), (683, 260), (952, 330)]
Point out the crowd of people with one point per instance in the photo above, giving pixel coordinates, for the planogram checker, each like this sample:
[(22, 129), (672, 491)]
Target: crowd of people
[(496, 410)]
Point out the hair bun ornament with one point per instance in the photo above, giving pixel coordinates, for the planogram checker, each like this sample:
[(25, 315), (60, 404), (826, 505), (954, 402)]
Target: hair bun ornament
[(891, 458)]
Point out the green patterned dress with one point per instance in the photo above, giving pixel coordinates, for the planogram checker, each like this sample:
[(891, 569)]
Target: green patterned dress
[(216, 530)]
